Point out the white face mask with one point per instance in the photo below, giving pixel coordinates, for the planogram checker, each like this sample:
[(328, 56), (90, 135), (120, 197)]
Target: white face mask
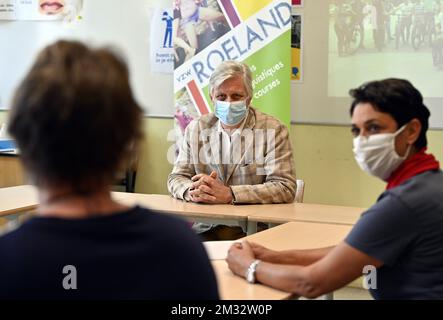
[(376, 154)]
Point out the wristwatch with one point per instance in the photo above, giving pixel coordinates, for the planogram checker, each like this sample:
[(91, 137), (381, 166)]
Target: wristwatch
[(250, 273)]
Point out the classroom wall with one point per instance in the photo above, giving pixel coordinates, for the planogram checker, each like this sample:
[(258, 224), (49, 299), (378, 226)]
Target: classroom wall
[(323, 158), (3, 116)]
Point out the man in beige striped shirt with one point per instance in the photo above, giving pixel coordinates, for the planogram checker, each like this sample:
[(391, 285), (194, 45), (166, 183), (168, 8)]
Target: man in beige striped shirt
[(235, 155)]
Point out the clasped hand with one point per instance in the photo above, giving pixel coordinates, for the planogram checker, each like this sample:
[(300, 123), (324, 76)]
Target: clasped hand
[(208, 189)]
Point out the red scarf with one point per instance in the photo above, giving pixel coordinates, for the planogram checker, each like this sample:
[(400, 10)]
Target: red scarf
[(419, 163)]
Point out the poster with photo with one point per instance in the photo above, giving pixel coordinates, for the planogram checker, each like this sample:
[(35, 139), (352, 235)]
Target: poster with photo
[(40, 10), (197, 24), (209, 32), (297, 48), (297, 3)]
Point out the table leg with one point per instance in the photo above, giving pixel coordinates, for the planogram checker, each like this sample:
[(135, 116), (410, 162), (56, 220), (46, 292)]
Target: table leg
[(12, 223), (272, 225), (252, 228)]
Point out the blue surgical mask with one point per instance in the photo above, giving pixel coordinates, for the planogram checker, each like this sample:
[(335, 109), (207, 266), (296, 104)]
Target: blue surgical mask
[(231, 113)]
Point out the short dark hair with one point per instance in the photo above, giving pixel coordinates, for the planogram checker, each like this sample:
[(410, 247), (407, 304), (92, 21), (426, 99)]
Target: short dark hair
[(74, 116), (397, 97)]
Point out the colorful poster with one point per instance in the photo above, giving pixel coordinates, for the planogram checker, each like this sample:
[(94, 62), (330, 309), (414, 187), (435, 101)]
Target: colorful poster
[(298, 3), (40, 9), (209, 32), (296, 48), (161, 42)]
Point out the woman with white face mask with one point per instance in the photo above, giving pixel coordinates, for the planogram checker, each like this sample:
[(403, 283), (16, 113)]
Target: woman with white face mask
[(401, 235)]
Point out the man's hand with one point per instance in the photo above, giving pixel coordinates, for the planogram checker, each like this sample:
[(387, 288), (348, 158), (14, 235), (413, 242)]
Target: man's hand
[(208, 189)]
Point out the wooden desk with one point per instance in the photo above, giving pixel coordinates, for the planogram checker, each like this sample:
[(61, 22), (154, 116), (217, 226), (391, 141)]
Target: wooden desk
[(11, 171), (271, 213), (301, 235), (301, 212), (23, 198), (15, 200), (202, 212), (292, 235), (232, 287)]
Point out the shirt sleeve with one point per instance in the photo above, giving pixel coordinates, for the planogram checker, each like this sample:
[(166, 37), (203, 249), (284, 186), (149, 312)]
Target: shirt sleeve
[(280, 181), (384, 231)]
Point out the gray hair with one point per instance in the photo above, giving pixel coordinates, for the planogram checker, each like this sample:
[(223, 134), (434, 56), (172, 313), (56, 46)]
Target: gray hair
[(229, 69)]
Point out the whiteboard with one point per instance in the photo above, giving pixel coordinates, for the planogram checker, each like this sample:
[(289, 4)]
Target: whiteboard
[(124, 25)]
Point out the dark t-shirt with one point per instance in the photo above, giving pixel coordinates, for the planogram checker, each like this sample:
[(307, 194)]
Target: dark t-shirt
[(138, 254), (404, 230)]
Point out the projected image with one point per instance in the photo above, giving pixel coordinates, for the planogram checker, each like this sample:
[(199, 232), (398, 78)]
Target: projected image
[(372, 39)]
